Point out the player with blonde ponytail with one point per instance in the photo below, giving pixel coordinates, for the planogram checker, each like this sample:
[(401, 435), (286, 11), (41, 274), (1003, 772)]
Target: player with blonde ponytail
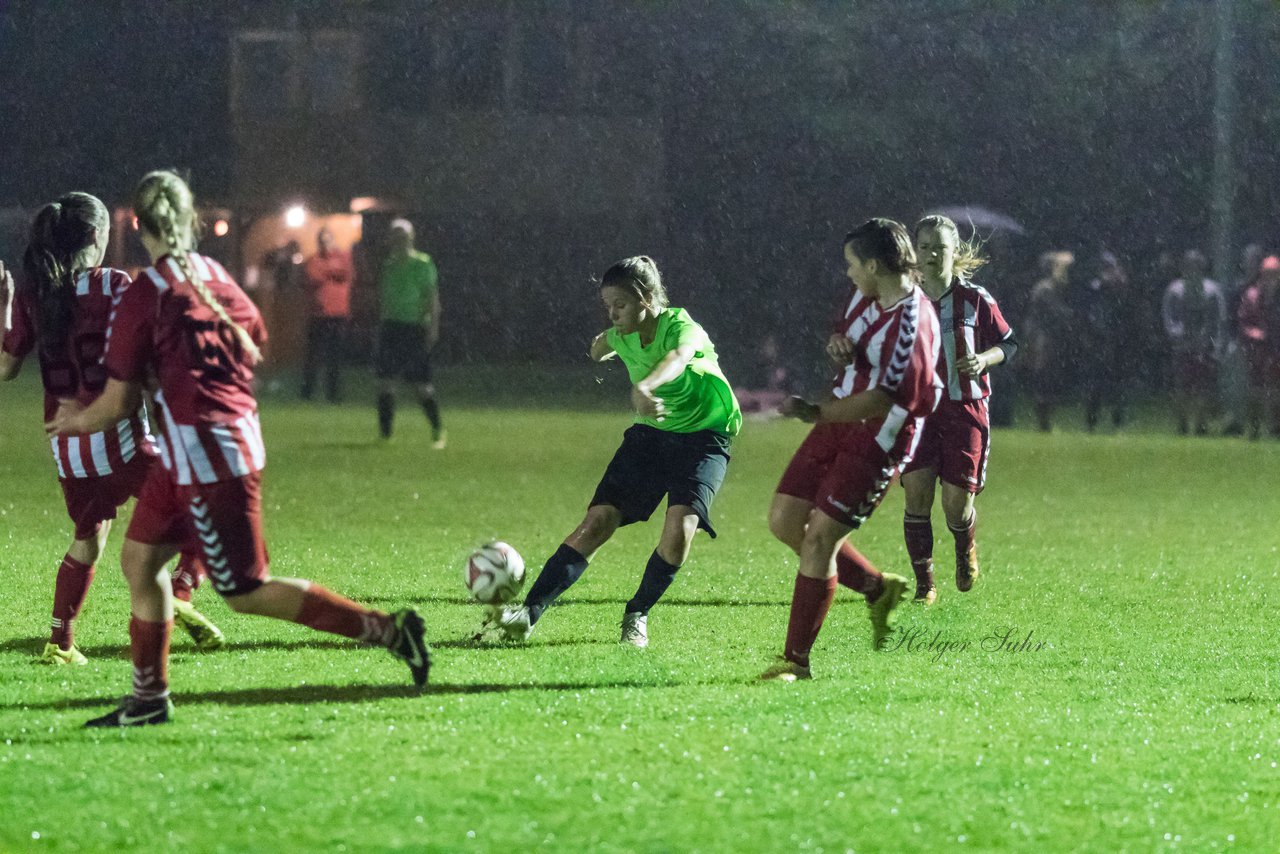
[(185, 325), (957, 436), (164, 206)]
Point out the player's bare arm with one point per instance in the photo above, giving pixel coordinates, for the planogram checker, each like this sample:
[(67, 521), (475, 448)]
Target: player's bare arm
[(9, 365), (863, 406), (671, 366), (975, 364), (600, 349), (117, 401)]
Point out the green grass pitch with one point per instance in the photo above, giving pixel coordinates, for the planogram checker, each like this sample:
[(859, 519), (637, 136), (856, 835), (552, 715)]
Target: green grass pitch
[(1142, 717)]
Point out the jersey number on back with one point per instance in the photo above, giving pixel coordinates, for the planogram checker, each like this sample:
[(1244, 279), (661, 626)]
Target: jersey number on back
[(214, 349), (66, 372)]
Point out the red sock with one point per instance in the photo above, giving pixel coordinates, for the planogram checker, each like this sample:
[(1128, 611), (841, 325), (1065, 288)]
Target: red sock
[(966, 540), (69, 593), (810, 602), (150, 645), (857, 573), (326, 611), (186, 577), (918, 531)]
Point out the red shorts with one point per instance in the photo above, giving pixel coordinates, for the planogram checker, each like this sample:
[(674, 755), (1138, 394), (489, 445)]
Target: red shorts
[(955, 444), (222, 521), (94, 500), (841, 470)]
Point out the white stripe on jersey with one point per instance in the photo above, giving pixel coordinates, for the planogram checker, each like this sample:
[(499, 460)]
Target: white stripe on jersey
[(82, 284), (181, 467), (127, 448), (98, 447), (893, 421), (251, 430), (163, 447), (73, 457), (971, 344), (219, 271), (173, 266), (230, 450), (195, 452), (106, 282), (202, 269), (156, 279), (57, 457)]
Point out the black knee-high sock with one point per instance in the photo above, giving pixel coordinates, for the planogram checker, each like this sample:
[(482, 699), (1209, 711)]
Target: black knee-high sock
[(386, 413), (658, 575), (561, 570), (432, 409)]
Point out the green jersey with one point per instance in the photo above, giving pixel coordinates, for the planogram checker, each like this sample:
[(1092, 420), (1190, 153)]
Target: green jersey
[(700, 398), (408, 288)]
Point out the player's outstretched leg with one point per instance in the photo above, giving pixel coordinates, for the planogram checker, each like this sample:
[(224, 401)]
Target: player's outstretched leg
[(309, 604), (562, 569)]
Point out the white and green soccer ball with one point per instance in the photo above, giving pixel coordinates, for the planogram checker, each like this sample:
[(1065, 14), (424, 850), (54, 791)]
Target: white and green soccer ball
[(494, 573)]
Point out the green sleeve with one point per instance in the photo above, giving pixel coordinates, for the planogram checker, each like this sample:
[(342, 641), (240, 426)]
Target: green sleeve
[(684, 330)]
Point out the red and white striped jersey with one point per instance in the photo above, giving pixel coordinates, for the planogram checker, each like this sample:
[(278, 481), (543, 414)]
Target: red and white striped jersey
[(72, 369), (895, 349), (970, 322), (206, 412)]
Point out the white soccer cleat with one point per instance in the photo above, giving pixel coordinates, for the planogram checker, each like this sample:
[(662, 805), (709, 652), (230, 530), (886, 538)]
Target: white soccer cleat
[(635, 630), (785, 670), (516, 625)]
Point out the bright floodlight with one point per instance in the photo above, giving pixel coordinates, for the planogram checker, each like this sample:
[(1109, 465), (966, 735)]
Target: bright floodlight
[(295, 216), (220, 228)]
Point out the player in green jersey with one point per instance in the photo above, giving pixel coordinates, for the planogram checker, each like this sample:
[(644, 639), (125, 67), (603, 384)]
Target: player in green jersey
[(678, 447)]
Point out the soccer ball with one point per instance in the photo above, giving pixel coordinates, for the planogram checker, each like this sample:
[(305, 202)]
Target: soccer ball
[(494, 573)]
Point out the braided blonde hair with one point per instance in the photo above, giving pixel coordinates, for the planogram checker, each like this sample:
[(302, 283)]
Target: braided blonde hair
[(165, 207)]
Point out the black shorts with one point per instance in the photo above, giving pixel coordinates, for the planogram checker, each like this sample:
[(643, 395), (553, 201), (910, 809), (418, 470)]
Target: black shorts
[(687, 468), (402, 352)]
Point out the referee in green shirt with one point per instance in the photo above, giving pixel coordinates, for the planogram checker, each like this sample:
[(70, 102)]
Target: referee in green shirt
[(408, 330)]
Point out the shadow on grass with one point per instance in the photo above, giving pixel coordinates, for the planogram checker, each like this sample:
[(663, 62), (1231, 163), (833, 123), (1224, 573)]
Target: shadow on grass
[(346, 445), (35, 645), (303, 695), (468, 643), (574, 600)]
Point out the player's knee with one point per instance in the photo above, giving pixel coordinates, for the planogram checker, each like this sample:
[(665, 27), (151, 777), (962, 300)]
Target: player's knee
[(788, 530), (600, 523), (677, 541), (427, 392)]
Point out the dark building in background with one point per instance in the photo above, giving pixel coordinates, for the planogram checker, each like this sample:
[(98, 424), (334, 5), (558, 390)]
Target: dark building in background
[(535, 141)]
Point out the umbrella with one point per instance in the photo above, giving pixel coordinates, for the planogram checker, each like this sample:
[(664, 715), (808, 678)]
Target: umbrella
[(977, 217)]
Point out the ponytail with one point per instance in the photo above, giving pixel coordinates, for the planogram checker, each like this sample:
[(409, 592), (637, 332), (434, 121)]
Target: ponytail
[(639, 275), (63, 241), (165, 207)]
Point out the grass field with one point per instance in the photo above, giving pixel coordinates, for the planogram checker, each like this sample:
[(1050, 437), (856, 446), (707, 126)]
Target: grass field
[(1143, 564)]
